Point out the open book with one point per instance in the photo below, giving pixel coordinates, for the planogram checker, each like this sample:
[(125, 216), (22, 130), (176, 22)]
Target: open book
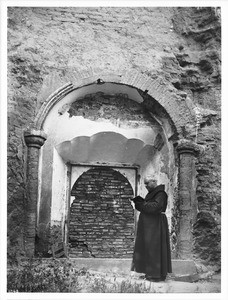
[(137, 199)]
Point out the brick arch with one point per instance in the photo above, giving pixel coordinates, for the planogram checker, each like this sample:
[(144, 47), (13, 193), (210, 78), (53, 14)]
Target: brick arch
[(101, 218), (178, 106)]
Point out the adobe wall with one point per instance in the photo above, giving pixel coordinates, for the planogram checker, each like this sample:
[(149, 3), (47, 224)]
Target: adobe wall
[(48, 47)]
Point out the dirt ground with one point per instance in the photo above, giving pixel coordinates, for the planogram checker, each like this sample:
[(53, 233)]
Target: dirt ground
[(211, 284)]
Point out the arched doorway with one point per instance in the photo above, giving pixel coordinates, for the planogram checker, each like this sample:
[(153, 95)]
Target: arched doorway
[(172, 119)]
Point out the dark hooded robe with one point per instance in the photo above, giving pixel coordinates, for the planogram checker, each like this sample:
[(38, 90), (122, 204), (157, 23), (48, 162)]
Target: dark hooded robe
[(152, 254)]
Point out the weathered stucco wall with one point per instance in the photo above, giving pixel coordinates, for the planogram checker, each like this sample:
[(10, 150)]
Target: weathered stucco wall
[(48, 47)]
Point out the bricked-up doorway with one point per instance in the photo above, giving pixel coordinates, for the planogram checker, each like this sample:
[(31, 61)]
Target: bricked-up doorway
[(101, 221)]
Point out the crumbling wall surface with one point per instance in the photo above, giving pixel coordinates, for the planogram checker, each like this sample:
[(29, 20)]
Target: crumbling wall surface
[(200, 77), (50, 46)]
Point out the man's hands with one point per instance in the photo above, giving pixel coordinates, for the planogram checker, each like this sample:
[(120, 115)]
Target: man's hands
[(132, 203)]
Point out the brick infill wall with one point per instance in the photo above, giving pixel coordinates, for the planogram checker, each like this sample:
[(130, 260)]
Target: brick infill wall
[(101, 217)]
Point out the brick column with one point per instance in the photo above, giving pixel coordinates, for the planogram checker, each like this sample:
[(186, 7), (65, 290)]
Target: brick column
[(187, 151), (34, 139)]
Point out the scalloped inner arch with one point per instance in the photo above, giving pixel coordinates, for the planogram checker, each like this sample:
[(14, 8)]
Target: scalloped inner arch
[(105, 147)]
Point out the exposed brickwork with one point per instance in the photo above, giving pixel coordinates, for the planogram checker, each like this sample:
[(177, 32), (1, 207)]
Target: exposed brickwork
[(112, 107), (101, 217)]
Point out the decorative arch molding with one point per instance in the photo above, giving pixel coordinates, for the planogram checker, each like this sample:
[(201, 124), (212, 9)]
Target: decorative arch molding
[(50, 102), (107, 147), (178, 106)]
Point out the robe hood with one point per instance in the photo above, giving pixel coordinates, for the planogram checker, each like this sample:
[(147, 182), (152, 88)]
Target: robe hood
[(158, 188)]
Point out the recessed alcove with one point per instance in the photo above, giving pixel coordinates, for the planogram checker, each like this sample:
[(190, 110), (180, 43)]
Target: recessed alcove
[(101, 126)]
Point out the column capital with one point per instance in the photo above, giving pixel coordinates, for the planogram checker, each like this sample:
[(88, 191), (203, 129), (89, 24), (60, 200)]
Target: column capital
[(35, 138), (188, 146)]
